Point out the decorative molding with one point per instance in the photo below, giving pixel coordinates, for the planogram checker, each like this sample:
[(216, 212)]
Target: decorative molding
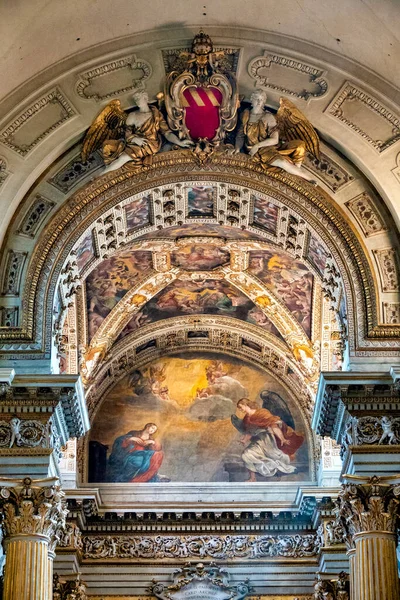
[(307, 78), (329, 171), (366, 214), (9, 316), (60, 397), (70, 537), (348, 95), (370, 430), (54, 103), (396, 170), (258, 597), (28, 433), (3, 171), (388, 264), (12, 273), (227, 547), (69, 589), (113, 78), (34, 217), (76, 171), (391, 313), (202, 581)]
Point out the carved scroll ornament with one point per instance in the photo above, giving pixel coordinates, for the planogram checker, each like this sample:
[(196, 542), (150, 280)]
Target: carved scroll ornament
[(201, 547)]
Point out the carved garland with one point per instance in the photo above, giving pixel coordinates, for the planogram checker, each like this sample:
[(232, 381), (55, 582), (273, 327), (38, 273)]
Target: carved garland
[(204, 547)]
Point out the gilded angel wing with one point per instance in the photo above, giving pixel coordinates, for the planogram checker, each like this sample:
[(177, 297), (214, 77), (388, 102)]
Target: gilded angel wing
[(109, 124), (293, 125)]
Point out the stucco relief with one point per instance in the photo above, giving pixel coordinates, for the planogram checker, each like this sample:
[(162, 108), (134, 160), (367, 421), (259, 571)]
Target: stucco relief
[(366, 116), (388, 263), (9, 316), (3, 171), (114, 77), (329, 171), (288, 75), (396, 170), (363, 209), (211, 547), (74, 172), (13, 272), (36, 122), (391, 313), (36, 214)]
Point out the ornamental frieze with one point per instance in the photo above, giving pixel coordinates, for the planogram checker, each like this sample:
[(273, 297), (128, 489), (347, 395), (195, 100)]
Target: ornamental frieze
[(200, 547)]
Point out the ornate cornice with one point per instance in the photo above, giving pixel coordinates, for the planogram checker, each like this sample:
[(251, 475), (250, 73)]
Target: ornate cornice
[(59, 405), (357, 393)]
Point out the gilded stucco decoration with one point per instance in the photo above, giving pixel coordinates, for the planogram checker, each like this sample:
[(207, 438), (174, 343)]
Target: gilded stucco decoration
[(35, 216), (363, 208)]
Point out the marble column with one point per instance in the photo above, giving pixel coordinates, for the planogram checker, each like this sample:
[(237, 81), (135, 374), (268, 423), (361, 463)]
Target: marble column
[(368, 511), (33, 514)]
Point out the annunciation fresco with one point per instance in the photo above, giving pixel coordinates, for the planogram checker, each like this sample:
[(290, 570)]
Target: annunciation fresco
[(109, 282), (211, 296), (289, 279), (198, 417)]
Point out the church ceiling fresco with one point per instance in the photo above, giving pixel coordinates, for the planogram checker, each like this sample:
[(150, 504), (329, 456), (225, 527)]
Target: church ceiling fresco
[(289, 279), (201, 201), (200, 257), (196, 229), (178, 419), (110, 281), (266, 213), (210, 297), (137, 213)]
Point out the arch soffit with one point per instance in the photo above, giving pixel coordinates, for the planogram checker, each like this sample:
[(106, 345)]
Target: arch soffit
[(313, 207)]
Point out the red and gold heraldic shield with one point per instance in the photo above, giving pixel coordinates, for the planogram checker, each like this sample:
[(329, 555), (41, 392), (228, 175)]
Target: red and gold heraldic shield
[(201, 105)]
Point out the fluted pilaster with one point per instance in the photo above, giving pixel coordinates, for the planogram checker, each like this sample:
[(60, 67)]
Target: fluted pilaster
[(33, 515)]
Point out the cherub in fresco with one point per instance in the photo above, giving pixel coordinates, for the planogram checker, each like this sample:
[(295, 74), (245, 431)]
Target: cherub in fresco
[(217, 399), (151, 390)]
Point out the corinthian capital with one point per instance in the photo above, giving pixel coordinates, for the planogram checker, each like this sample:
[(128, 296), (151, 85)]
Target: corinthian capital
[(32, 508), (371, 505)]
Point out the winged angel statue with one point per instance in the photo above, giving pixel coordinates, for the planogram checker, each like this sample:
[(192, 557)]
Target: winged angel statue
[(129, 138), (282, 141)]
